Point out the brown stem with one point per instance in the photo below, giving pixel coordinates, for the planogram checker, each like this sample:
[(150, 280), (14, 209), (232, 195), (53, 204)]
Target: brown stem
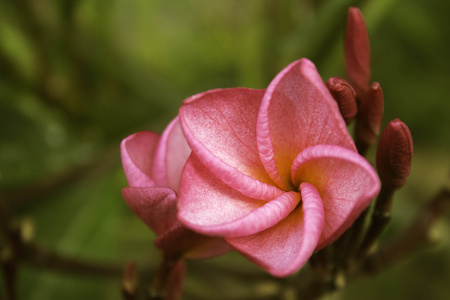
[(129, 282), (320, 285), (347, 245), (9, 269), (380, 218), (50, 184), (159, 284), (9, 253), (38, 256), (314, 289), (416, 235), (322, 261)]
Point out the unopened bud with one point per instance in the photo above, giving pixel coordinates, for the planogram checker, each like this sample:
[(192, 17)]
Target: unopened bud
[(394, 153), (345, 96), (357, 52), (369, 118)]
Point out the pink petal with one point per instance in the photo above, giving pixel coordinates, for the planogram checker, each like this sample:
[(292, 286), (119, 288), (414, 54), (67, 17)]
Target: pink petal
[(171, 155), (179, 241), (210, 207), (220, 127), (156, 206), (137, 152), (297, 111), (209, 247), (346, 182), (284, 248)]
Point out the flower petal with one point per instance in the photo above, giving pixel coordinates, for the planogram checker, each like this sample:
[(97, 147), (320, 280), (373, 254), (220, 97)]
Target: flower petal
[(180, 241), (220, 127), (209, 247), (156, 206), (137, 152), (208, 206), (297, 111), (346, 182), (284, 248), (171, 155)]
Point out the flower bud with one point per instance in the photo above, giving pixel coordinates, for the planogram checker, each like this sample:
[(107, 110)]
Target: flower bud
[(357, 52), (394, 153), (369, 118), (345, 96)]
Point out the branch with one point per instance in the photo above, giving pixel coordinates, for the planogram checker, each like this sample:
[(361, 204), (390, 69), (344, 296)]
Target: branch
[(9, 252), (380, 218), (50, 184), (415, 236), (418, 234), (38, 256), (129, 282)]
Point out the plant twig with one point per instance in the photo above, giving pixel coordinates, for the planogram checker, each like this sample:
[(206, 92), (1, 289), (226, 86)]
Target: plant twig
[(416, 235), (129, 282), (9, 252), (347, 245), (50, 184), (36, 255), (161, 286), (380, 218)]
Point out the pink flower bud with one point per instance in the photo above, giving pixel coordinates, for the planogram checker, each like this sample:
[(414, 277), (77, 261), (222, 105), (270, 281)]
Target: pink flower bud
[(345, 96), (369, 118), (394, 153), (357, 52)]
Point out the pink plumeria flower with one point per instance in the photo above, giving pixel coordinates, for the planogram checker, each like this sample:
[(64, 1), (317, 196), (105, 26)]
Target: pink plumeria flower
[(152, 166), (274, 172)]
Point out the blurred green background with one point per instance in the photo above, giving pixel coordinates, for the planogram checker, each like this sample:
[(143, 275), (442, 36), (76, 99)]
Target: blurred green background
[(77, 76)]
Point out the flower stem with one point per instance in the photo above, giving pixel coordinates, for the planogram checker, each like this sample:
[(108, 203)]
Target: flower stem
[(129, 282), (160, 285), (348, 244), (380, 218), (416, 235)]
